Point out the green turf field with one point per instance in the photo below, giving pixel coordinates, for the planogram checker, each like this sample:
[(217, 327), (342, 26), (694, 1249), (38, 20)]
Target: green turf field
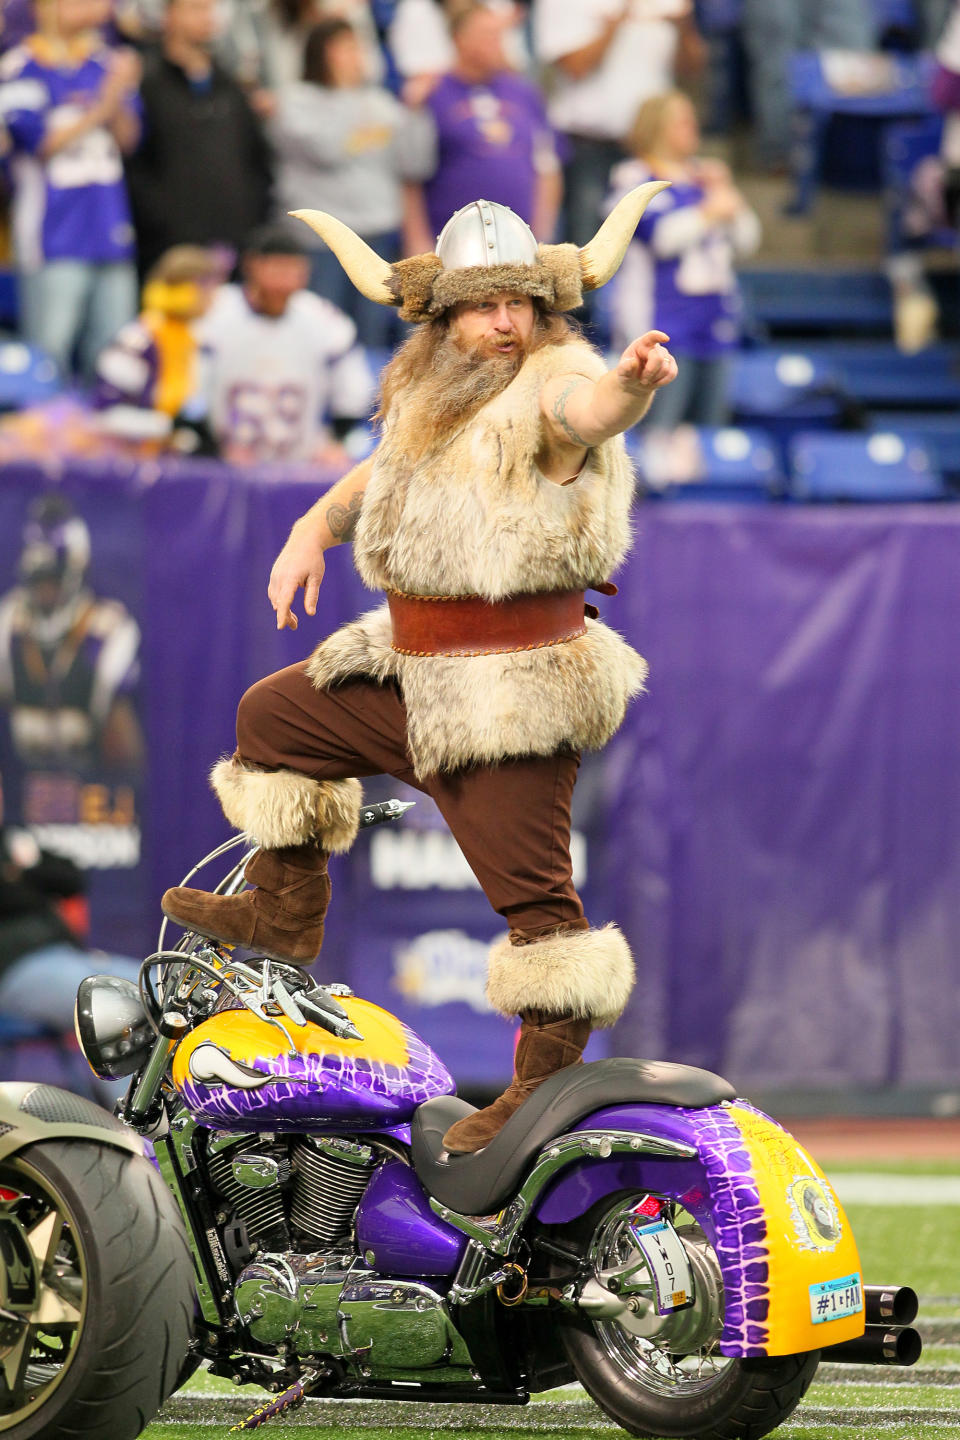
[(911, 1244)]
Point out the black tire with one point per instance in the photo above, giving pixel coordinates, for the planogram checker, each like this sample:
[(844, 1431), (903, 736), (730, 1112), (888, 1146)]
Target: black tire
[(750, 1399), (743, 1400), (129, 1280)]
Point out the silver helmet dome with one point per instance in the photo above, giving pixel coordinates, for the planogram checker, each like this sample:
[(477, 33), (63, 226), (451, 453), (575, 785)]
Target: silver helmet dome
[(484, 233)]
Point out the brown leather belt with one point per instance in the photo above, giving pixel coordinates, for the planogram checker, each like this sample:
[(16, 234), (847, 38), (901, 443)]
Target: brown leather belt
[(470, 625)]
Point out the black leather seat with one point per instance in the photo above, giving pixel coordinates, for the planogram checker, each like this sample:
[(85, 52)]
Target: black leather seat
[(482, 1183)]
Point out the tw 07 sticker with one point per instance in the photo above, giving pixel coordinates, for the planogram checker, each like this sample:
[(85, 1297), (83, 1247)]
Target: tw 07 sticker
[(816, 1218)]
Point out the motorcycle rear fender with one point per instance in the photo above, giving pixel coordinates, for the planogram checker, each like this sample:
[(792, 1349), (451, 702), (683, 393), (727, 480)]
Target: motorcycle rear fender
[(764, 1203), (19, 1128)]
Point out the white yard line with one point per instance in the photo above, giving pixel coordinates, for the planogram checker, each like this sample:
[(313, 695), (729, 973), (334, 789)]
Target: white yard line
[(865, 1188)]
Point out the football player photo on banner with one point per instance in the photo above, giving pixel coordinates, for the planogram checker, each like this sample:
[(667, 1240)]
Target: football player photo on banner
[(72, 746)]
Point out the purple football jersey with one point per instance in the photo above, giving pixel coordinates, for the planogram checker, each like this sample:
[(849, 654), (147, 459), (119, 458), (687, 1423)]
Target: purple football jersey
[(71, 205)]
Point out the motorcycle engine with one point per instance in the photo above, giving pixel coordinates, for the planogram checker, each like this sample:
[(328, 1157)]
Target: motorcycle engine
[(292, 1192), (301, 1282)]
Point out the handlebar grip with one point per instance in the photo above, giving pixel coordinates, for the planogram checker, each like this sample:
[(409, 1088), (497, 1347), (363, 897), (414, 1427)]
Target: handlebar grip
[(384, 810)]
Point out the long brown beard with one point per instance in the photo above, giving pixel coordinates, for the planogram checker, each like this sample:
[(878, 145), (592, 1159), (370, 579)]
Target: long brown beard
[(432, 385), (444, 386)]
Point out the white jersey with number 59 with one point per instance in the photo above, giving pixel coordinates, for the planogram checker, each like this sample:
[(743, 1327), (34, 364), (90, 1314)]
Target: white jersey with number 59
[(270, 384)]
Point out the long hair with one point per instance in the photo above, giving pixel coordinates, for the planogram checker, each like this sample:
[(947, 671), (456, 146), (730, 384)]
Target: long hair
[(644, 134)]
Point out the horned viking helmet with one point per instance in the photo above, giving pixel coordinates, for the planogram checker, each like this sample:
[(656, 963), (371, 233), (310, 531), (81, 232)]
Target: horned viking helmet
[(483, 249)]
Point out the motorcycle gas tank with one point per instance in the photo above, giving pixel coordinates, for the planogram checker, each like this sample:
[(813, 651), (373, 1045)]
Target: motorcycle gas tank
[(236, 1069)]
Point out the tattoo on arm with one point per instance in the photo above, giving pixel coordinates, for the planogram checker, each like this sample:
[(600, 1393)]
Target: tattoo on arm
[(560, 410), (342, 519)]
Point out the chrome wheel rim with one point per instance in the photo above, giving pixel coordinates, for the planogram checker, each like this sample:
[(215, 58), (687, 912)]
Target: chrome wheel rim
[(43, 1291), (647, 1361)]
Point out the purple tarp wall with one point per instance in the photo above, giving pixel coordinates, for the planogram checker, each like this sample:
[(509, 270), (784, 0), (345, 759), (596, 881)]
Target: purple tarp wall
[(776, 827)]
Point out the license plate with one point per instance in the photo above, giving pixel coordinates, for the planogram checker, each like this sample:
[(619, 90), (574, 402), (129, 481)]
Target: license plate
[(667, 1262), (836, 1298)]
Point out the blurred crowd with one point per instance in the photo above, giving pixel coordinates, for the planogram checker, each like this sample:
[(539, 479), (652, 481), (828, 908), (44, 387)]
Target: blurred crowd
[(152, 149)]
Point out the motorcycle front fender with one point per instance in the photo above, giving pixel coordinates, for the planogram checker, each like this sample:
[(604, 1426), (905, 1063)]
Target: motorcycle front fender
[(30, 1113), (779, 1231)]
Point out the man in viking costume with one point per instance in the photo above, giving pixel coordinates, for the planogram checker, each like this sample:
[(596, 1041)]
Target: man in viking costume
[(499, 493)]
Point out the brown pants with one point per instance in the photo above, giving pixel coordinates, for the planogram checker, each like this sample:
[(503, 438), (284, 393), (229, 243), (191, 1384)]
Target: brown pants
[(512, 820)]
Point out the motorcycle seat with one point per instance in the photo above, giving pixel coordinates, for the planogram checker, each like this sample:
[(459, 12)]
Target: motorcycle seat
[(482, 1183)]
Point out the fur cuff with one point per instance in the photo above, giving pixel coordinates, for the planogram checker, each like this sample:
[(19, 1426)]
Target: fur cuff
[(587, 973), (280, 807)]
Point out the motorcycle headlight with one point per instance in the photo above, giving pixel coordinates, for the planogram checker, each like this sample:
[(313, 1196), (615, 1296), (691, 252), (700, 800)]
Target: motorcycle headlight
[(112, 1027)]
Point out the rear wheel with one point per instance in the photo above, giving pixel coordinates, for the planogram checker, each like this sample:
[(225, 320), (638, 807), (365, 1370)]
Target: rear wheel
[(664, 1375), (96, 1293)]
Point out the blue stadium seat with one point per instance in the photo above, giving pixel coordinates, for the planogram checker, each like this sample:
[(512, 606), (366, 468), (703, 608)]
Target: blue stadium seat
[(879, 467), (838, 133), (784, 391), (708, 463), (894, 14), (27, 376), (878, 374), (938, 430), (719, 17), (774, 382), (9, 299), (817, 302)]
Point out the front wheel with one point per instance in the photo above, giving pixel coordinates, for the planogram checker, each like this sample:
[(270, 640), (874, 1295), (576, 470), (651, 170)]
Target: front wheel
[(96, 1293), (669, 1379)]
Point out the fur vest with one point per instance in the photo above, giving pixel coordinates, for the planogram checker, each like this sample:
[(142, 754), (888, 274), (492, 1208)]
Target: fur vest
[(476, 517)]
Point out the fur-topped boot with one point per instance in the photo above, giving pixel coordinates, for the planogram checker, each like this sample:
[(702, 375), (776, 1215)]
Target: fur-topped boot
[(562, 987), (298, 823)]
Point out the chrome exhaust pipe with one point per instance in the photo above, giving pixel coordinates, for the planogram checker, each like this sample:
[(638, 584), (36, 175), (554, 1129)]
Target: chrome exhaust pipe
[(878, 1345), (890, 1304)]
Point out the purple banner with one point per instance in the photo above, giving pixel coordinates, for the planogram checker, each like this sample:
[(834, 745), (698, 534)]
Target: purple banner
[(789, 794), (776, 827)]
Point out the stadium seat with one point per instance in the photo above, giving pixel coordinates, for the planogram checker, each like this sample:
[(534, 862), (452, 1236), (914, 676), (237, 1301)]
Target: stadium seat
[(875, 375), (839, 128), (708, 463), (938, 430), (817, 302), (783, 391), (9, 299), (879, 467), (27, 376), (895, 15)]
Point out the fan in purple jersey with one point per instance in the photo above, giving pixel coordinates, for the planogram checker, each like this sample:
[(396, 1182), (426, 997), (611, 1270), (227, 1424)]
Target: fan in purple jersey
[(492, 133), (70, 108), (678, 274)]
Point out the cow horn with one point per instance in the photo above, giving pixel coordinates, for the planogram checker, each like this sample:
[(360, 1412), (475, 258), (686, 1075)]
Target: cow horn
[(600, 260), (369, 272)]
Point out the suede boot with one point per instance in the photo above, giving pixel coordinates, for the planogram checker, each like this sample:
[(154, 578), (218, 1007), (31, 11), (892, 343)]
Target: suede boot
[(547, 1043), (282, 918)]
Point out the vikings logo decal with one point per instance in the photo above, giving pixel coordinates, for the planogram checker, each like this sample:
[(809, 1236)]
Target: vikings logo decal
[(813, 1209), (212, 1066)]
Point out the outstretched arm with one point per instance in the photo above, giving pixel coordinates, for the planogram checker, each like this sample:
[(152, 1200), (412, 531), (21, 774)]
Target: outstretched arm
[(580, 413), (331, 521)]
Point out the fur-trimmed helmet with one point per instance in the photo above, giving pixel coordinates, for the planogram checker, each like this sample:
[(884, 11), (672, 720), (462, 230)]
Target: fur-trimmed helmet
[(485, 249)]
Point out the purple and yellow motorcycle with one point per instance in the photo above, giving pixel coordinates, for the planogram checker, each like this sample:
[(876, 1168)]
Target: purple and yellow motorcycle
[(635, 1226)]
